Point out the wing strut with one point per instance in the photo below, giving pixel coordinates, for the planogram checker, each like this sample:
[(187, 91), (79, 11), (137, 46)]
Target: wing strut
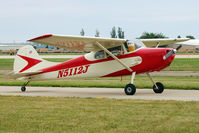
[(112, 55)]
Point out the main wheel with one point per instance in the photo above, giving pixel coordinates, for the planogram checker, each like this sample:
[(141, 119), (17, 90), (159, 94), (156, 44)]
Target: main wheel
[(160, 88), (23, 88), (130, 89)]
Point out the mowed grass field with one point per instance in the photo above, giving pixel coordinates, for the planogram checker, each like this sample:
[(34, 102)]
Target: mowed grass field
[(184, 64), (48, 114)]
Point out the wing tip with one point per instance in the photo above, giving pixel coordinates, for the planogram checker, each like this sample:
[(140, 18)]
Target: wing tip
[(40, 37)]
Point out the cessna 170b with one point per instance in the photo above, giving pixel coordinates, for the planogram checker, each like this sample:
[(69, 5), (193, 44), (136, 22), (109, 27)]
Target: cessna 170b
[(108, 58)]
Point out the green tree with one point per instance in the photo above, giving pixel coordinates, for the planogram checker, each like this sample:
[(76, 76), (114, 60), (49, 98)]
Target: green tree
[(190, 37), (178, 36), (120, 33), (147, 35), (97, 33), (113, 33), (82, 33)]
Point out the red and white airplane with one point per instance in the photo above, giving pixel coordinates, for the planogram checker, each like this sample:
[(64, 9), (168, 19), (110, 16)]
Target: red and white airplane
[(108, 58)]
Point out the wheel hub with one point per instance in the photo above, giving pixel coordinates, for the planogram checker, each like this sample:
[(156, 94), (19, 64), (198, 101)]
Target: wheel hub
[(129, 89)]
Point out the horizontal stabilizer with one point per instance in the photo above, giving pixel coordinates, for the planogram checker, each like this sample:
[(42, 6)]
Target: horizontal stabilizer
[(14, 75)]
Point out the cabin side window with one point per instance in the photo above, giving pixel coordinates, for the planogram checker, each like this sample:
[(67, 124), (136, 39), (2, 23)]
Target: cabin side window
[(117, 51), (100, 54)]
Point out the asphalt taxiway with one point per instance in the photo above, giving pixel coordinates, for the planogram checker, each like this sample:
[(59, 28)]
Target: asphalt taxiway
[(117, 93)]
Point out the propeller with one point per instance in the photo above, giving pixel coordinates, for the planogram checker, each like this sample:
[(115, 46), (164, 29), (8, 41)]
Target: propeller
[(178, 47), (171, 52)]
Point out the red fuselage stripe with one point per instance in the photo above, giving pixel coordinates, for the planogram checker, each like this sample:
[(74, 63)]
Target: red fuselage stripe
[(31, 62), (151, 60)]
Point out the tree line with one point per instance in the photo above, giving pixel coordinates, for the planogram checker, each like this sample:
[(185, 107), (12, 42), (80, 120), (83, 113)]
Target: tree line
[(115, 33), (119, 33)]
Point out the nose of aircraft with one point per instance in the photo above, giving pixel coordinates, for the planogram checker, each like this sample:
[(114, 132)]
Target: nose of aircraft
[(171, 52)]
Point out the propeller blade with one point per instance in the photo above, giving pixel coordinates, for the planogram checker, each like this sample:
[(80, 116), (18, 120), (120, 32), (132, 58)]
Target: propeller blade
[(169, 54), (178, 47)]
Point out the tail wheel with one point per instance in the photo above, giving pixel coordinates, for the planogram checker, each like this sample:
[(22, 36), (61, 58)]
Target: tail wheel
[(130, 89), (160, 88), (23, 88)]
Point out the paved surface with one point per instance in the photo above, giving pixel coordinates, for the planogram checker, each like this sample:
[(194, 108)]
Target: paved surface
[(118, 93), (75, 56)]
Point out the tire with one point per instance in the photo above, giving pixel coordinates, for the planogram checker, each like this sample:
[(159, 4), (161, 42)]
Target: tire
[(160, 88), (130, 89), (23, 88)]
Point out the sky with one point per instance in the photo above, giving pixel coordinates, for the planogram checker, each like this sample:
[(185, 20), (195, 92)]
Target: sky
[(21, 20)]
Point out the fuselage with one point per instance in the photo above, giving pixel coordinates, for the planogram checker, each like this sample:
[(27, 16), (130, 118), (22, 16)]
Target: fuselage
[(140, 61)]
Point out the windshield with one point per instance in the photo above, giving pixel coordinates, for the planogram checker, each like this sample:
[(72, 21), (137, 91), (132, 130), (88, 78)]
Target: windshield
[(132, 45), (129, 46)]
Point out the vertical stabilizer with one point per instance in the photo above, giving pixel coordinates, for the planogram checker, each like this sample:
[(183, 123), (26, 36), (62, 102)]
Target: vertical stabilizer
[(26, 58)]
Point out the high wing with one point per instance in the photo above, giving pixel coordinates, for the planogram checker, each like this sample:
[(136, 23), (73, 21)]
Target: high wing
[(155, 42), (89, 43), (77, 42), (192, 42)]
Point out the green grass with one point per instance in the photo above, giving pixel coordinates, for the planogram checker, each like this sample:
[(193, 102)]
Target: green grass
[(187, 53), (184, 64), (57, 59), (7, 64), (48, 114), (114, 82)]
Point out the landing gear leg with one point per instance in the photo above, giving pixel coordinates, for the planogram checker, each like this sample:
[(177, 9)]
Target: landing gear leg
[(23, 88), (157, 87), (130, 89)]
